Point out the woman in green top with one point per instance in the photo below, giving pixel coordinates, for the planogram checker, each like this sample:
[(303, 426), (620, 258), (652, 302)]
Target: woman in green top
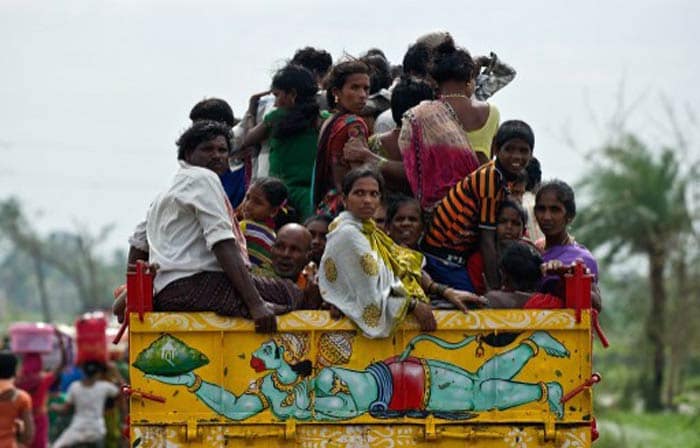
[(293, 132)]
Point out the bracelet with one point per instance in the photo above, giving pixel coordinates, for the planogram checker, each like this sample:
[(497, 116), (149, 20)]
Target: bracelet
[(441, 289), (429, 289), (196, 385), (412, 305), (382, 161)]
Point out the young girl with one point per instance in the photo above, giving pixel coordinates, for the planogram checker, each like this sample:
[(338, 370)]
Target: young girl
[(292, 130), (262, 204), (405, 221), (510, 226)]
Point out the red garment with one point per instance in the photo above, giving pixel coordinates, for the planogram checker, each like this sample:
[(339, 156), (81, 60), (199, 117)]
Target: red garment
[(541, 300), (475, 268), (37, 384), (408, 380), (334, 134)]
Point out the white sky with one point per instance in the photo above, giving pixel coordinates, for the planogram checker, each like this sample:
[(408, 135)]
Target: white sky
[(93, 94)]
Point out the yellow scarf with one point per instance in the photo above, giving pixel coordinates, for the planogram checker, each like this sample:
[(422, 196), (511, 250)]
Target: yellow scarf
[(405, 263)]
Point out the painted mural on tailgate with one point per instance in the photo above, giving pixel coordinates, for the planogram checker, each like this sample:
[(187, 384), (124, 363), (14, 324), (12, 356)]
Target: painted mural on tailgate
[(290, 385)]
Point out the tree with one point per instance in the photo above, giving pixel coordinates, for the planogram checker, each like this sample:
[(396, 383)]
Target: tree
[(638, 205), (73, 254), (16, 227)]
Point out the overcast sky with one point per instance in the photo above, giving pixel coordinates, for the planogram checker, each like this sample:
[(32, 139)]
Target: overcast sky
[(93, 94)]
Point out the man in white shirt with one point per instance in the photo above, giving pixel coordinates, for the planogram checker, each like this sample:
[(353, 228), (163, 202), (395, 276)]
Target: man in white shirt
[(192, 235)]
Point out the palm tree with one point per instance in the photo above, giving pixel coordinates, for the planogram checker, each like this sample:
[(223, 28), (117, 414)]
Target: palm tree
[(638, 206)]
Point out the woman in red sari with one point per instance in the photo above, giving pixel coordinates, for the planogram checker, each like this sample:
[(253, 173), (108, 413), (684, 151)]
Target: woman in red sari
[(347, 90)]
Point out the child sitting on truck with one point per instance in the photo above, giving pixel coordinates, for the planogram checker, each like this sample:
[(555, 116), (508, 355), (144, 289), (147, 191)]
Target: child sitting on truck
[(520, 267), (263, 201), (464, 221)]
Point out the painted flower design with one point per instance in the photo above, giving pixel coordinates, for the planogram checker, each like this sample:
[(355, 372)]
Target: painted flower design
[(518, 438)]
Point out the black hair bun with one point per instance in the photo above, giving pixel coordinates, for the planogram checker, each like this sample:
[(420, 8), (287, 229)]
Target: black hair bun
[(445, 48)]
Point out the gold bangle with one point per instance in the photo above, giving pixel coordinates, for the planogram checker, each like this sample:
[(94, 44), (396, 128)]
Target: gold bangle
[(545, 393), (196, 385), (535, 349)]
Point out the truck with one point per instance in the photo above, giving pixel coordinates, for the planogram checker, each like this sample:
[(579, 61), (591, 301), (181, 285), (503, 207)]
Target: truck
[(487, 378)]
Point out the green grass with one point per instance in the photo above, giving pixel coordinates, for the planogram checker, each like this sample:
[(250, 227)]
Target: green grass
[(629, 430)]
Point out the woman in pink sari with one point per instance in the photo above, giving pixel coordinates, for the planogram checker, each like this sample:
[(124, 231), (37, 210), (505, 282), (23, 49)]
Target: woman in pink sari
[(434, 141), (33, 380)]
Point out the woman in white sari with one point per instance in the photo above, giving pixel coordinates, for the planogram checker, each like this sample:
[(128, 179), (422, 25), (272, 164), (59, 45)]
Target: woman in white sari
[(368, 277)]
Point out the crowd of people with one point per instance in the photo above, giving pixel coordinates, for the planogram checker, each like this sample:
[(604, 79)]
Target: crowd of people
[(372, 190), (70, 405)]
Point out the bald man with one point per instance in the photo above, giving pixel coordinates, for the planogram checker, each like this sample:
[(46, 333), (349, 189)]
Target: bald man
[(290, 254), (291, 251)]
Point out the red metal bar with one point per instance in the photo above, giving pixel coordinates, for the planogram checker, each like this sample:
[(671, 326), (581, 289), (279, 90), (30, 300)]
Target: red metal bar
[(595, 378), (122, 329), (139, 290), (578, 289), (594, 430), (127, 390), (599, 329)]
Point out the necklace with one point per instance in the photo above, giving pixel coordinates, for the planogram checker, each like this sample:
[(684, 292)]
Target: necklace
[(286, 388), (455, 95)]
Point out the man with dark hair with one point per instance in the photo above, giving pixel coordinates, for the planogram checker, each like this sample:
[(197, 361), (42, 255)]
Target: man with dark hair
[(315, 60), (214, 109), (15, 406), (191, 233)]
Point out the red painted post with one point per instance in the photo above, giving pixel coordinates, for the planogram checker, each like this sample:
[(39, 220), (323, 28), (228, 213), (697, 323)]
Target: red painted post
[(578, 289)]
